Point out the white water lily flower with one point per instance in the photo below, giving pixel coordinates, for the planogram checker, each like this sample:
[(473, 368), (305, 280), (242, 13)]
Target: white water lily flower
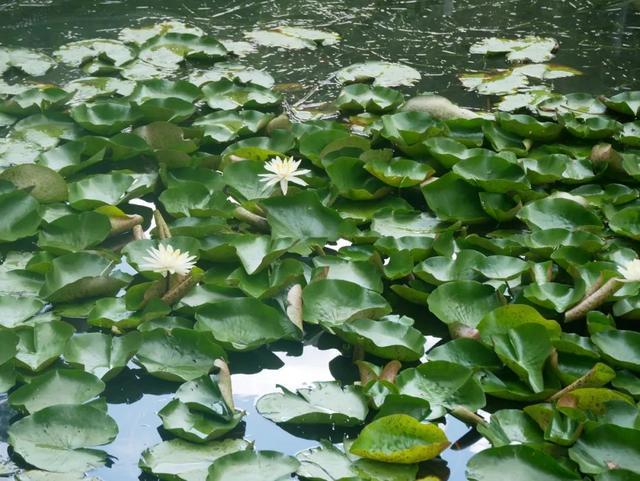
[(167, 260), (631, 272), (283, 171)]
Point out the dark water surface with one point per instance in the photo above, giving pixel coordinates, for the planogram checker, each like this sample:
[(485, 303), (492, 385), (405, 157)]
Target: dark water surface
[(600, 37)]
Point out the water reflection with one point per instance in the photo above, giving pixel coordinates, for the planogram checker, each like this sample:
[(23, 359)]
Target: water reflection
[(599, 36)]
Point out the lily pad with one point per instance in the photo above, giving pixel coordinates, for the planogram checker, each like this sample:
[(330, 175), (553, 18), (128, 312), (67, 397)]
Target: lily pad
[(79, 275), (445, 384), (363, 98), (522, 461), (20, 213), (100, 354), (59, 386), (400, 439), (525, 350), (184, 461), (170, 49), (61, 438), (627, 103), (526, 49), (243, 324), (196, 425), (105, 117), (224, 94), (30, 62), (253, 466), (225, 126), (332, 302), (77, 53), (388, 338), (321, 403), (552, 213), (463, 302), (607, 447), (75, 232), (620, 347), (182, 355), (383, 74), (40, 345)]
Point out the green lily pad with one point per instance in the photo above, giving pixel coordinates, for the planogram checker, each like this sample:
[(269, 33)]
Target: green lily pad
[(14, 310), (79, 275), (203, 394), (59, 386), (388, 338), (224, 94), (492, 173), (440, 269), (35, 100), (99, 189), (528, 127), (29, 61), (195, 425), (363, 98), (400, 439), (453, 199), (77, 53), (253, 466), (525, 350), (607, 447), (463, 302), (44, 184), (182, 355), (619, 347), (500, 82), (243, 324), (321, 403), (303, 217), (328, 463), (184, 461), (526, 49), (225, 126), (61, 438), (399, 172), (105, 117), (69, 158), (351, 179), (333, 302), (553, 213), (232, 71), (624, 222), (40, 345), (271, 38), (322, 37), (20, 213), (142, 34), (383, 74), (102, 355), (170, 49), (445, 384), (75, 232), (522, 461), (511, 426), (164, 100), (554, 295), (627, 103), (466, 352), (407, 130), (592, 127)]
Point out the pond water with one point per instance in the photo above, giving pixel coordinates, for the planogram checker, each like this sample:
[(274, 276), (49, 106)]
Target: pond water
[(599, 37)]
